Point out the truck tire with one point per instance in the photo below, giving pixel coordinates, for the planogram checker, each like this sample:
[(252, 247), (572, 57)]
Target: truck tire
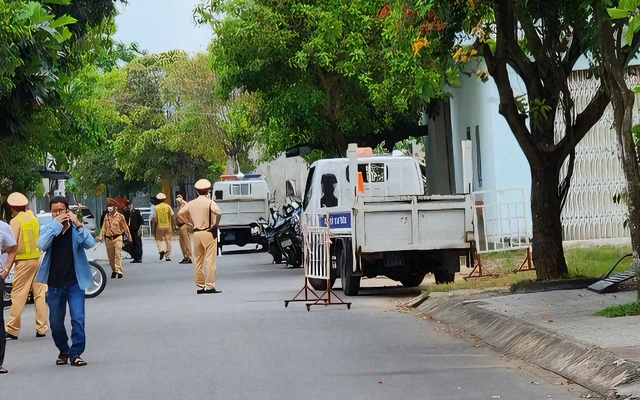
[(444, 277), (412, 280), (344, 258), (321, 284)]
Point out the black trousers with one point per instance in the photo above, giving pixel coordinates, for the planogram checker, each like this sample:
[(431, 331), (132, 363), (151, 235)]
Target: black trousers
[(3, 338), (137, 246)]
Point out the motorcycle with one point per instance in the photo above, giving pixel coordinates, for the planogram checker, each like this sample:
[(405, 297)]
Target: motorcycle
[(284, 235), (96, 287)]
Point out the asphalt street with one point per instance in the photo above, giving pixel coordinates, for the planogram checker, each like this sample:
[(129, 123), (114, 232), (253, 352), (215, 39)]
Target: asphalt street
[(150, 336)]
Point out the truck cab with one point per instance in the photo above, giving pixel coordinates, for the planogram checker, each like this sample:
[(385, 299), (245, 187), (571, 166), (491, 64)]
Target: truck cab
[(242, 202)]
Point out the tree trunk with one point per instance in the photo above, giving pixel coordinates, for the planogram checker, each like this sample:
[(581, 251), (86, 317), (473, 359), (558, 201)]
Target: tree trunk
[(623, 104), (548, 254)]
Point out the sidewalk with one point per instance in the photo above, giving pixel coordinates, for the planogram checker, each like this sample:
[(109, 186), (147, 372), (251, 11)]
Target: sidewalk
[(557, 330)]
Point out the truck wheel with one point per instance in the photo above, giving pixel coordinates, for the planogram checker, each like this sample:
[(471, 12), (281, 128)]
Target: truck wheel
[(350, 283), (412, 281), (321, 284), (444, 277)]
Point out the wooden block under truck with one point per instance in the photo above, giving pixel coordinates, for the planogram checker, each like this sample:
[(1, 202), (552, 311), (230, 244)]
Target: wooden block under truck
[(384, 224)]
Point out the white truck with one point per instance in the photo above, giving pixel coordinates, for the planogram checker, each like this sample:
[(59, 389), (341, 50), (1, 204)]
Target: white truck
[(390, 227), (242, 203)]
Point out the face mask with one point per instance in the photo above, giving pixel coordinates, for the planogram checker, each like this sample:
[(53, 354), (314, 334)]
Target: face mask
[(110, 209)]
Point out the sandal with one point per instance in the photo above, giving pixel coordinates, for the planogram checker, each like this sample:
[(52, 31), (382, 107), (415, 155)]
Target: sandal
[(63, 358), (78, 362), (3, 371)]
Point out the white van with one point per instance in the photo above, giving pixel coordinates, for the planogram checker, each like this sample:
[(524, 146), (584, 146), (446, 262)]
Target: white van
[(242, 203)]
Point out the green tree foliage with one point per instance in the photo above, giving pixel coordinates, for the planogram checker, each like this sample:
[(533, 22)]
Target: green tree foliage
[(42, 45), (321, 70)]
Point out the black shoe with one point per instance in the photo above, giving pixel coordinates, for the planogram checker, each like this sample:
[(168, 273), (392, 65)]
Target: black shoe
[(162, 253), (184, 261), (119, 276), (212, 291), (167, 259), (11, 337), (189, 261), (41, 334), (201, 291), (136, 261), (113, 275)]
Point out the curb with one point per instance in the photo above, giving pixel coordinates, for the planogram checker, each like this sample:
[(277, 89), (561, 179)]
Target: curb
[(594, 368)]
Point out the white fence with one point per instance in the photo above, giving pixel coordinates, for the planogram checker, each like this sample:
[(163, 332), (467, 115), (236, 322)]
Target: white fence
[(500, 221), (317, 258)]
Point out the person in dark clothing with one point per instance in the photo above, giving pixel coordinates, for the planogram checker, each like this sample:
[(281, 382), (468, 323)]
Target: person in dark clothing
[(66, 270), (134, 221)]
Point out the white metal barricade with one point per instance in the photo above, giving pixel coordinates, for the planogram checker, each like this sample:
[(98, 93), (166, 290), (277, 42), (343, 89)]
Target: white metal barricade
[(501, 224), (317, 244), (316, 261)]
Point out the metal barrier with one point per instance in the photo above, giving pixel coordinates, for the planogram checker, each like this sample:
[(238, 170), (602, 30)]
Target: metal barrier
[(500, 224), (316, 261)]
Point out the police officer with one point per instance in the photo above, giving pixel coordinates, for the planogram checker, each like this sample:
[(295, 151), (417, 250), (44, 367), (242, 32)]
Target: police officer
[(163, 216), (203, 214), (185, 233), (113, 227), (25, 228), (9, 248)]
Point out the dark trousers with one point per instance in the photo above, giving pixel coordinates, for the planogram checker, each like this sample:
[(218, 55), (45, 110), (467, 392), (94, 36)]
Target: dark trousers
[(137, 245), (3, 338), (57, 299)]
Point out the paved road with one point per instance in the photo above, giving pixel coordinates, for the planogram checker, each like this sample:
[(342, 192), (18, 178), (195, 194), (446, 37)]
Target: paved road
[(151, 337)]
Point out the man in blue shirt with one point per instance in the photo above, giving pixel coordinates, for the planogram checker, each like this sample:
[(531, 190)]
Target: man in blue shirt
[(66, 270)]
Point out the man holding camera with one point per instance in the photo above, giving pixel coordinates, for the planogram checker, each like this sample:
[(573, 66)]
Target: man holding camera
[(203, 215), (65, 269)]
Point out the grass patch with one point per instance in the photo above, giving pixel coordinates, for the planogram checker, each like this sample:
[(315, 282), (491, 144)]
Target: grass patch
[(623, 310), (582, 262)]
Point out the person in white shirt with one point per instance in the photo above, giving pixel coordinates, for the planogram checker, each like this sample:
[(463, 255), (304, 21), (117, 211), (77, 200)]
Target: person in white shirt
[(9, 247)]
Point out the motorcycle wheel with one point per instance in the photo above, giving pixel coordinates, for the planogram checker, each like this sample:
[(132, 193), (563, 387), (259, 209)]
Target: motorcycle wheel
[(99, 281), (275, 252)]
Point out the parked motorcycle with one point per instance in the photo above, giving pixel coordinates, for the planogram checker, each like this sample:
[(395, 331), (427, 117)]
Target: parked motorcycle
[(95, 288), (284, 235)]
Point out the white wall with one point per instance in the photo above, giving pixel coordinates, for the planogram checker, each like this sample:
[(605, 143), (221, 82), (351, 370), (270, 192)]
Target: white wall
[(504, 166)]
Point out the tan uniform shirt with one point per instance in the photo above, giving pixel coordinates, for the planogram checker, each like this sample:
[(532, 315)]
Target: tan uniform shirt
[(114, 225), (200, 213)]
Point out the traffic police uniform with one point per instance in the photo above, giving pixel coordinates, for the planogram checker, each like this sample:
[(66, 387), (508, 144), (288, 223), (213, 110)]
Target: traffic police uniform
[(185, 234), (163, 215), (26, 230), (202, 213), (114, 225)]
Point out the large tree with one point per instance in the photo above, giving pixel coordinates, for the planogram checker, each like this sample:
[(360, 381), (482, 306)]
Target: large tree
[(321, 69), (43, 44), (618, 44), (537, 42)]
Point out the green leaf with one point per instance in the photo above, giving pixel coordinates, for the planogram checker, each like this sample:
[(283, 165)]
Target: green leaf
[(634, 25), (62, 2), (636, 89), (64, 20), (617, 13), (628, 5)]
